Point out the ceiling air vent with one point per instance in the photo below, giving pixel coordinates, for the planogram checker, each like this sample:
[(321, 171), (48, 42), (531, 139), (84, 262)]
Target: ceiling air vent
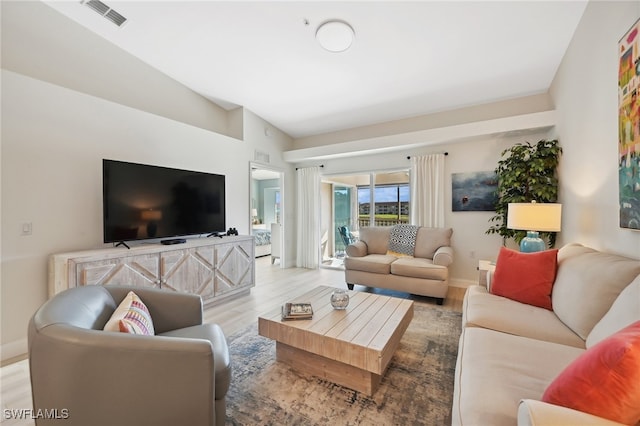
[(105, 11)]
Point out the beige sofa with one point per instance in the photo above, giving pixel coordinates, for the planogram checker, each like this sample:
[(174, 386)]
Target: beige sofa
[(510, 352), (93, 377), (426, 273)]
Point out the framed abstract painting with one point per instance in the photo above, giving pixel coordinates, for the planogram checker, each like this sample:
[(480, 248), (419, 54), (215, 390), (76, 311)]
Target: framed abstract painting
[(473, 192)]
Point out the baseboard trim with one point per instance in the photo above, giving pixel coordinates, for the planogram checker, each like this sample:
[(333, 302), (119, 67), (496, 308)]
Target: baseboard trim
[(15, 349), (457, 282)]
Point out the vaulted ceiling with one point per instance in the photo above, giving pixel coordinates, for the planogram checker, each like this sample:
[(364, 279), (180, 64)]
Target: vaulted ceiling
[(407, 58)]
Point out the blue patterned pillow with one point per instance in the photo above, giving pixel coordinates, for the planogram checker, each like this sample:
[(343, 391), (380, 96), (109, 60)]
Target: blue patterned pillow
[(402, 240)]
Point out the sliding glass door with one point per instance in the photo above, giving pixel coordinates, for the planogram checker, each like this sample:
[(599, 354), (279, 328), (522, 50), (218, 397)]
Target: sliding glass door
[(350, 202), (339, 201), (345, 214)]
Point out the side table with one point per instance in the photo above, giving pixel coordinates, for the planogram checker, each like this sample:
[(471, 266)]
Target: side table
[(484, 266)]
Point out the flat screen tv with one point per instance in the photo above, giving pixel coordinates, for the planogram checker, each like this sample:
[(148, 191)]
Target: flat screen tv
[(147, 202)]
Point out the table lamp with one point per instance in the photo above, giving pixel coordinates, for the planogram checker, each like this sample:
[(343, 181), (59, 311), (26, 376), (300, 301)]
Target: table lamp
[(534, 217)]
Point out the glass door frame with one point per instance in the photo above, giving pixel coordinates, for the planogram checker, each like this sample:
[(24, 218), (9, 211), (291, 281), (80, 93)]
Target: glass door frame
[(353, 216)]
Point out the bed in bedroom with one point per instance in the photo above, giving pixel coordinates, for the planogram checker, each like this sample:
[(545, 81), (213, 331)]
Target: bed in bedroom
[(267, 241), (262, 237)]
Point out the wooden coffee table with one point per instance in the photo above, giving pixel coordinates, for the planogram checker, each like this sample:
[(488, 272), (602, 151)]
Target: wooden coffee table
[(352, 347)]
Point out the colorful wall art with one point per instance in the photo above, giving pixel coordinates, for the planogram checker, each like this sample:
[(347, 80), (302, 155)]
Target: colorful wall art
[(629, 128)]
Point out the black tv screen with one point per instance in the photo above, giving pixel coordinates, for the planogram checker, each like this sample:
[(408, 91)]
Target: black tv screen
[(146, 202)]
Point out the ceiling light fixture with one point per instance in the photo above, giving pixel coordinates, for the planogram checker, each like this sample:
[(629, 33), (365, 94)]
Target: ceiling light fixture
[(335, 36)]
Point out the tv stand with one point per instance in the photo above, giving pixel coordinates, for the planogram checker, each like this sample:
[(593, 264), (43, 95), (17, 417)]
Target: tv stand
[(216, 234), (122, 243), (173, 241), (216, 269)]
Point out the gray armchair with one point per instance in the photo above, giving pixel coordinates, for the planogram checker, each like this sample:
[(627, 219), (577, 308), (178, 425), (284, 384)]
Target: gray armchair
[(94, 377)]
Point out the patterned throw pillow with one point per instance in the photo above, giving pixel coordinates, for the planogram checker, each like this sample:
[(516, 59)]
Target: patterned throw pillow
[(402, 240), (131, 316)]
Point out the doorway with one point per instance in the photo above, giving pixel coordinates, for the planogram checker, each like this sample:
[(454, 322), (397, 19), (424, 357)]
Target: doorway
[(339, 216), (266, 206)]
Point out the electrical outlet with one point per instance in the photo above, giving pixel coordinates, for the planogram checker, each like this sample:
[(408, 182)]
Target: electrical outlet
[(27, 228)]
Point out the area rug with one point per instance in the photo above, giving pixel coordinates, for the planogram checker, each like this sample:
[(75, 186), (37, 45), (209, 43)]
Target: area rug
[(416, 389)]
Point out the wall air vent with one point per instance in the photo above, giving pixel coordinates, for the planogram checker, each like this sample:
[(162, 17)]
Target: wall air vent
[(105, 11), (261, 156)]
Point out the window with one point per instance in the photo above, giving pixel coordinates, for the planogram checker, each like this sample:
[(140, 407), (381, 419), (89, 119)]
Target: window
[(388, 199)]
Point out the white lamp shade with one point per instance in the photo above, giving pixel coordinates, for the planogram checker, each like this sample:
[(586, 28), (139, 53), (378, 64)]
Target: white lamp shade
[(541, 217), (254, 212), (151, 214)]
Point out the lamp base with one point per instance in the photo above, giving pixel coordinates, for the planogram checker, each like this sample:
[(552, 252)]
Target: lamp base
[(152, 228), (532, 243)]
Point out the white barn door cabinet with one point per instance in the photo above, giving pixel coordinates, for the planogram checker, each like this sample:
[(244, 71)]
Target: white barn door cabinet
[(214, 268)]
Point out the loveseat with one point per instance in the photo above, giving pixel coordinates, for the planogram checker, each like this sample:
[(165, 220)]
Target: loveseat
[(522, 364), (83, 375), (425, 272)]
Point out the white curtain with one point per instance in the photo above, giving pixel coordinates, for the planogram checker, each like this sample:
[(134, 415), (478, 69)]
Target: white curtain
[(355, 209), (308, 217), (427, 190)]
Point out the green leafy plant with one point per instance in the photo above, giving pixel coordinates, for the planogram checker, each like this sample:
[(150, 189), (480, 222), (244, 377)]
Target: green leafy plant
[(526, 173)]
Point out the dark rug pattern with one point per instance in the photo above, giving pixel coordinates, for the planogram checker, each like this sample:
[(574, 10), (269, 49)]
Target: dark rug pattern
[(417, 388)]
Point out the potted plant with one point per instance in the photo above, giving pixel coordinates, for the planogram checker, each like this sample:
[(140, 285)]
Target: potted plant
[(526, 173)]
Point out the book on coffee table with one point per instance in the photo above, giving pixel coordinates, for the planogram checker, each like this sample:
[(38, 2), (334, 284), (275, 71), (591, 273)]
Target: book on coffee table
[(296, 311)]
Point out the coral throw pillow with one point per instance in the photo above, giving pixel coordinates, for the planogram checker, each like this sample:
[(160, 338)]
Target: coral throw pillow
[(131, 316), (525, 277), (604, 380)]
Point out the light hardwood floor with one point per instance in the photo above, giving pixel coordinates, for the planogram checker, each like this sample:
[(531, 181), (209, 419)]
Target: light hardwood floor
[(274, 286)]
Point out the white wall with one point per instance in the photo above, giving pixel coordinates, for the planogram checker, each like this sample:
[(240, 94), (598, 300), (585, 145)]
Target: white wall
[(70, 99), (53, 143), (470, 243), (472, 114), (40, 42), (586, 98), (265, 138), (466, 154), (53, 139), (584, 94)]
